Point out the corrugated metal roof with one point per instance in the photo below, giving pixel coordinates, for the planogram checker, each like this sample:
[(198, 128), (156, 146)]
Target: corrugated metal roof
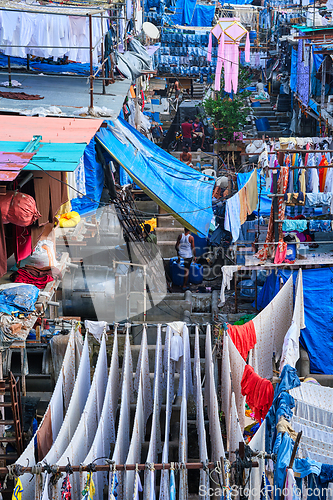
[(11, 164), (50, 157), (55, 130)]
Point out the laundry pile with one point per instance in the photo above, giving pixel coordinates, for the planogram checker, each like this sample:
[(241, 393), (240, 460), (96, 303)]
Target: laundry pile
[(38, 276)]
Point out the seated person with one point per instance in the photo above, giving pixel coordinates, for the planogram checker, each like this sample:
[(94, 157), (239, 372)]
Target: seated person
[(186, 157), (198, 130)]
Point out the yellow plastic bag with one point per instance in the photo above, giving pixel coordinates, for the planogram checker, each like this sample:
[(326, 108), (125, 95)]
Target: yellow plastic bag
[(71, 219), (152, 222)]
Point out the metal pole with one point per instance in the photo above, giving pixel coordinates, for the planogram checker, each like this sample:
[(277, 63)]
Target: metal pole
[(144, 293), (91, 66), (102, 55), (275, 207), (323, 85), (9, 72)]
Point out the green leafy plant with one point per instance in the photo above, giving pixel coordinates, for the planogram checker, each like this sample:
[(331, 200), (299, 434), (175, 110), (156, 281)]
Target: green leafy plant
[(228, 115)]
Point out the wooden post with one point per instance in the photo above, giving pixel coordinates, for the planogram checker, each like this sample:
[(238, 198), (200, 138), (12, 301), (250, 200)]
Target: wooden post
[(37, 333), (236, 302), (24, 392), (102, 56), (276, 208), (291, 463), (323, 85), (91, 78)]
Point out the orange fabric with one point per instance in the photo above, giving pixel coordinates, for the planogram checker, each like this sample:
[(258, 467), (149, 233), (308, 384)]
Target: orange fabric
[(322, 173), (259, 392), (243, 205), (244, 337), (132, 92)]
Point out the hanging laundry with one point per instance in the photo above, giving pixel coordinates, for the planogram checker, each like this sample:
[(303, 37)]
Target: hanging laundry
[(89, 490), (322, 173), (172, 485), (281, 249), (229, 32), (56, 404), (212, 405), (244, 337), (318, 199), (106, 433), (324, 226), (96, 328), (138, 433), (294, 225), (142, 370), (227, 276), (252, 193), (137, 486), (66, 489), (18, 490), (168, 376), (86, 428), (155, 445), (113, 486), (236, 435), (232, 216), (200, 421), (237, 365), (259, 392), (226, 383), (271, 326), (123, 431), (257, 474), (182, 449), (243, 205)]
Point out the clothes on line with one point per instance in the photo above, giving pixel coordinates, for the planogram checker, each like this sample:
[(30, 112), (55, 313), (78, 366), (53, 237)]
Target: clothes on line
[(294, 225), (58, 35), (259, 392), (243, 337)]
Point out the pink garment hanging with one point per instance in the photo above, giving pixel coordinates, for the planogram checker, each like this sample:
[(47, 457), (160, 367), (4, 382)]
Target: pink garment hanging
[(228, 32)]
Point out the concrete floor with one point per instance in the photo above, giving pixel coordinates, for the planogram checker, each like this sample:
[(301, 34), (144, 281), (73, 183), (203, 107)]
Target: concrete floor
[(69, 93)]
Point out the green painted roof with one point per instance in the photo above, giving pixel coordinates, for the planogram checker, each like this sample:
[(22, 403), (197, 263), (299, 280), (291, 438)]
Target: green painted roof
[(55, 157), (306, 29)]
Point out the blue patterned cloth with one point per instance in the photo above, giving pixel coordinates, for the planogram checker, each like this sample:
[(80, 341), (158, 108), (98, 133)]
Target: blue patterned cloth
[(320, 225)]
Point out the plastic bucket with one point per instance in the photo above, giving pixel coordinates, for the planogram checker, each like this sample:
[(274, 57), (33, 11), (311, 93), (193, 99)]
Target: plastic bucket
[(196, 274), (256, 104), (177, 271), (262, 124), (253, 36)]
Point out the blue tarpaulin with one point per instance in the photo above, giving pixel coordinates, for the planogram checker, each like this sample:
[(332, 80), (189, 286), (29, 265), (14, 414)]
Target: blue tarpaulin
[(191, 13), (265, 201), (94, 175), (317, 337), (71, 67), (235, 2), (176, 187), (293, 70)]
